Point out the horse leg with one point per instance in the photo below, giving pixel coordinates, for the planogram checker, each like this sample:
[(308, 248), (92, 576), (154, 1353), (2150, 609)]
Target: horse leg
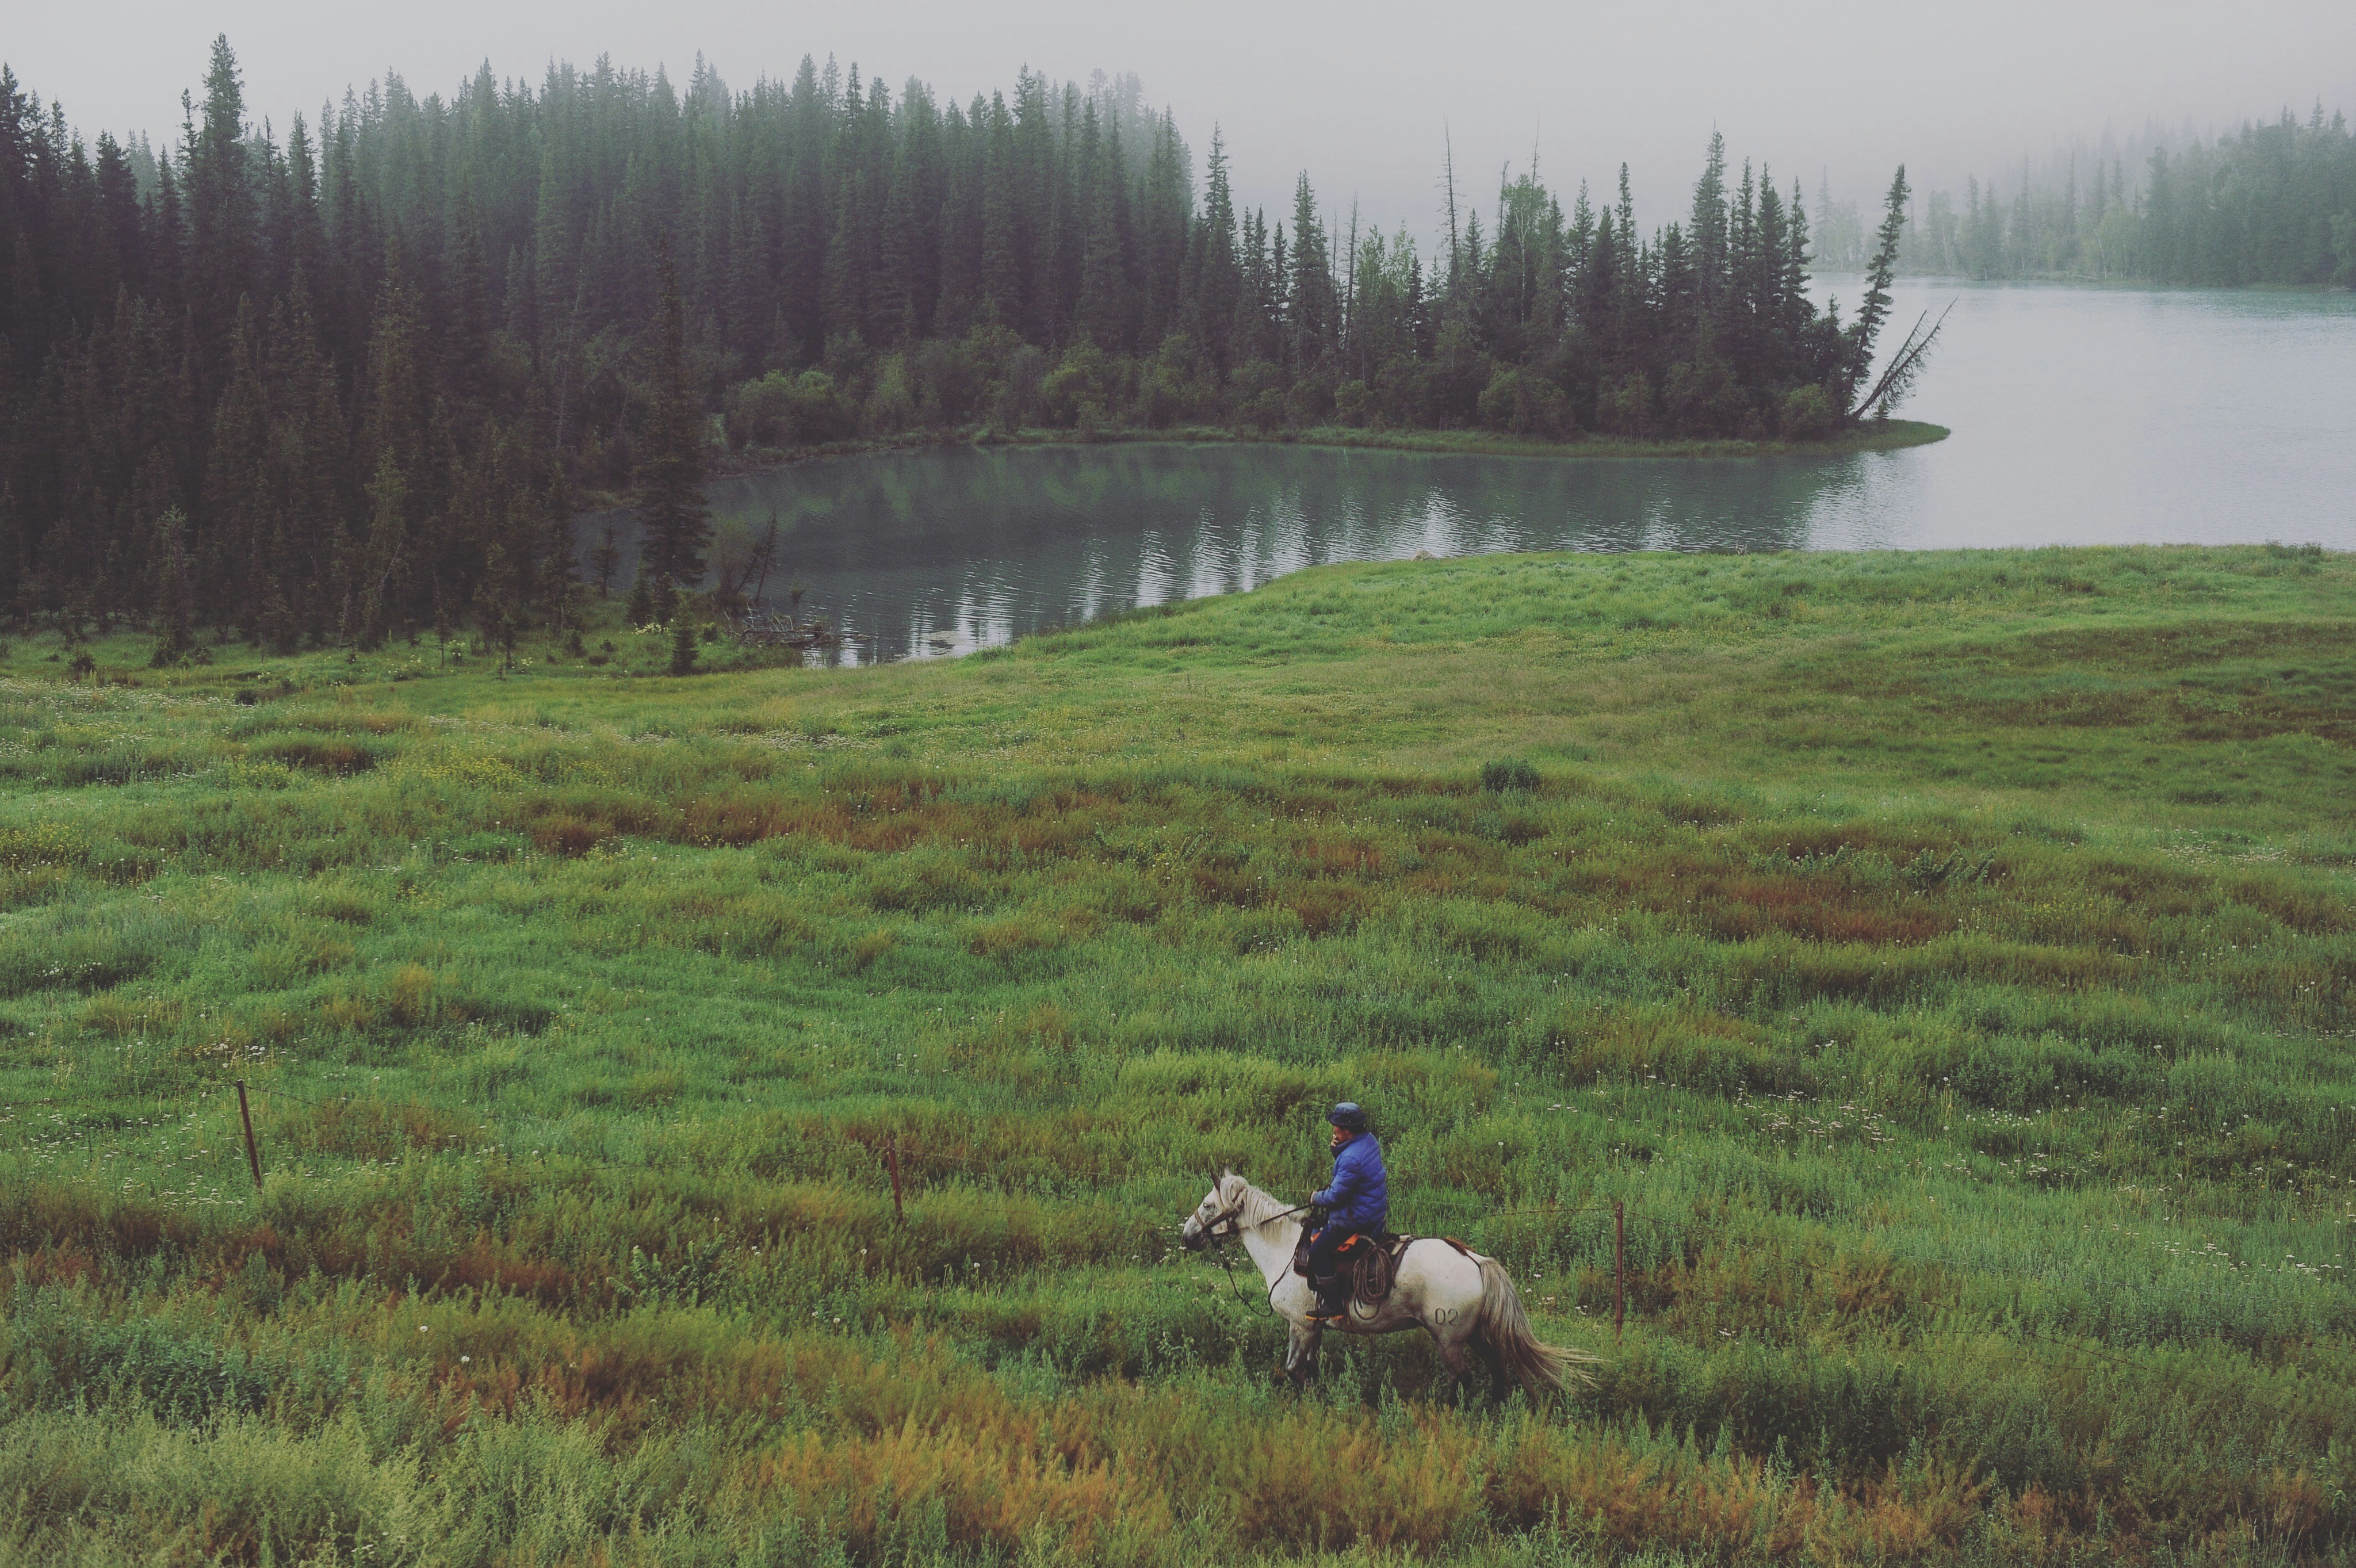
[(1301, 1354), (1500, 1381), (1452, 1354)]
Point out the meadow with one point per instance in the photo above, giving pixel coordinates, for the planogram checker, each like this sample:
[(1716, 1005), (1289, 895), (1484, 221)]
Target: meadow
[(1946, 960)]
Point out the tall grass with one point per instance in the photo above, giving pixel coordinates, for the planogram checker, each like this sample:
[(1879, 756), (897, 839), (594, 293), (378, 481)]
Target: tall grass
[(1946, 960)]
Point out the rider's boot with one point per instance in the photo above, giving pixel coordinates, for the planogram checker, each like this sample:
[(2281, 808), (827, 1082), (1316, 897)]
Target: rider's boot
[(1332, 1301)]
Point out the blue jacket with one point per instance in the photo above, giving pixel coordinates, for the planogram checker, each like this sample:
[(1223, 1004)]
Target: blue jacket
[(1360, 1198)]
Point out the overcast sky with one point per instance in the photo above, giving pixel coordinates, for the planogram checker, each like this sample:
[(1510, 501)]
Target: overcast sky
[(1358, 93)]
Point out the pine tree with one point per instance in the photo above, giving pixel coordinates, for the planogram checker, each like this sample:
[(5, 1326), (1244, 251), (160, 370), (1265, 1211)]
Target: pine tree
[(557, 574), (385, 558), (222, 216), (1709, 228), (1002, 239), (604, 559), (1874, 308), (172, 600), (1311, 323), (1215, 271), (236, 507), (675, 520), (497, 607)]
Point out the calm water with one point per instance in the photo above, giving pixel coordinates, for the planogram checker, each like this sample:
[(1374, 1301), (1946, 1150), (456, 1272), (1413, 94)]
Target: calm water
[(2079, 415)]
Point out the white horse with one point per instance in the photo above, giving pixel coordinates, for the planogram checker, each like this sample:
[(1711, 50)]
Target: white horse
[(1461, 1299)]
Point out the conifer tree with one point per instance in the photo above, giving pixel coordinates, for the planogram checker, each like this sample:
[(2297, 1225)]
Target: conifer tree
[(222, 228), (172, 597), (674, 518), (1216, 272), (1874, 308), (1310, 324), (604, 559), (557, 574), (385, 559), (236, 485)]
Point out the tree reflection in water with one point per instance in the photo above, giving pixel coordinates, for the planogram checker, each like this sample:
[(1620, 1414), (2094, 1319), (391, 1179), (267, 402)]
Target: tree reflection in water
[(954, 548)]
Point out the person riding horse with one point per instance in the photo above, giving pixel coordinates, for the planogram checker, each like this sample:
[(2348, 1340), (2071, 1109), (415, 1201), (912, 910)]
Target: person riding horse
[(1357, 1204)]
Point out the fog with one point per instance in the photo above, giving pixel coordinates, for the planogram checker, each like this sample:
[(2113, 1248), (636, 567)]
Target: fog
[(1358, 94)]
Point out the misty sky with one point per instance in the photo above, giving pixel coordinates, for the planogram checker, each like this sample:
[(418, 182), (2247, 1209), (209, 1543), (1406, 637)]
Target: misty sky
[(1358, 93)]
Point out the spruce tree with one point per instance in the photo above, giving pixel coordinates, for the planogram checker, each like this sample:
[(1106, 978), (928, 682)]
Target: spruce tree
[(171, 595), (1874, 308), (385, 558), (604, 559), (222, 216), (1310, 324), (674, 518), (498, 608), (557, 574), (236, 487), (1217, 273)]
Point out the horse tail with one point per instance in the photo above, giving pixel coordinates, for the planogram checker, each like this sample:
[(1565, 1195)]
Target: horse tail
[(1505, 1329)]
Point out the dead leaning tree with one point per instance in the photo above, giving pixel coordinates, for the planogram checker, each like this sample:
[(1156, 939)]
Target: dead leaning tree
[(739, 567), (1905, 369)]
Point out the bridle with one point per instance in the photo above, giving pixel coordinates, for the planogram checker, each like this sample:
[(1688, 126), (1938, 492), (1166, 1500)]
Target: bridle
[(1229, 1217), (1209, 1230), (1213, 1236)]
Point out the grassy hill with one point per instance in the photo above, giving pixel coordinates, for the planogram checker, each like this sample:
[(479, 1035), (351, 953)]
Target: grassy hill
[(1946, 959)]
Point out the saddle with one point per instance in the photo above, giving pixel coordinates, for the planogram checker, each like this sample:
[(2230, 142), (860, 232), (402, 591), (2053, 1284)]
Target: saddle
[(1371, 1263)]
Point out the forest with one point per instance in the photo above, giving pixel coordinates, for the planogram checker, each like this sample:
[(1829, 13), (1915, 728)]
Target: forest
[(347, 383), (2273, 203)]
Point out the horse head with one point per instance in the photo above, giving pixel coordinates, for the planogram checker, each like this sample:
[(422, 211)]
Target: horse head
[(1218, 1209)]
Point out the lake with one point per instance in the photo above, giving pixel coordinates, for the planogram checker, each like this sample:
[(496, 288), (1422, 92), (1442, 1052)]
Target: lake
[(2081, 416)]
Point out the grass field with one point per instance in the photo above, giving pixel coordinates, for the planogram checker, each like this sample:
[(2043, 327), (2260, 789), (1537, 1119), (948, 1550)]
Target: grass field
[(1946, 959)]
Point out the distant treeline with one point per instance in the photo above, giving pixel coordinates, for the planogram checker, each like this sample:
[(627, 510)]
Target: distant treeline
[(2272, 204), (345, 383)]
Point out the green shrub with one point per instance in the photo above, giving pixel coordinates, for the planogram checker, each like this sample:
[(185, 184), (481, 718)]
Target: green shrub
[(1508, 773), (1807, 414)]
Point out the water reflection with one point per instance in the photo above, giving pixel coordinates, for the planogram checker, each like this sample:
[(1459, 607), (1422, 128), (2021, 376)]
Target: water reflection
[(955, 548)]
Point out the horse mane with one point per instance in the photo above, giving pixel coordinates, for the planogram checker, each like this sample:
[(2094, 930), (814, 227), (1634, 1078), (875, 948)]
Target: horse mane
[(1253, 1207)]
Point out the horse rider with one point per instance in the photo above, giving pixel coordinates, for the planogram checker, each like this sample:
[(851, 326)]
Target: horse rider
[(1355, 1204)]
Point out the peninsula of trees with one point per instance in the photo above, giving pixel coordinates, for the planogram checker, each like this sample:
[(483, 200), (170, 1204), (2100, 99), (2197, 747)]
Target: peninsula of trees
[(344, 383)]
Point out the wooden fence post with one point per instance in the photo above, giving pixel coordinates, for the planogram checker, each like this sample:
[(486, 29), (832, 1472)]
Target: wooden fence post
[(1619, 1265), (892, 1158), (253, 1155)]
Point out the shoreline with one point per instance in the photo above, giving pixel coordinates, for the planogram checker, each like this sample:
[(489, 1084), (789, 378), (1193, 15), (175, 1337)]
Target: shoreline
[(1890, 435)]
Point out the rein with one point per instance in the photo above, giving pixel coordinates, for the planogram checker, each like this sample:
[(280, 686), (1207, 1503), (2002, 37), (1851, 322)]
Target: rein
[(1218, 1238)]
